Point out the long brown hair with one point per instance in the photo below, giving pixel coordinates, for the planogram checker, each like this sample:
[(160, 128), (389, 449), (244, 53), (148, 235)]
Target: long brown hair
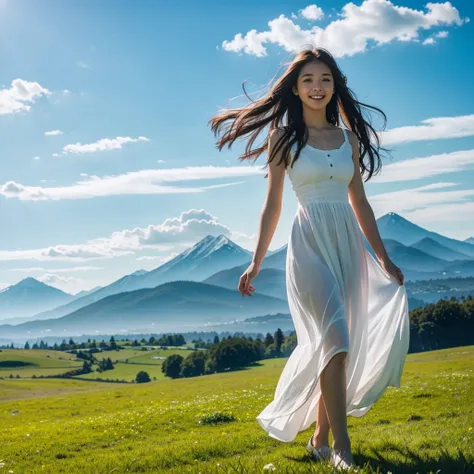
[(271, 109)]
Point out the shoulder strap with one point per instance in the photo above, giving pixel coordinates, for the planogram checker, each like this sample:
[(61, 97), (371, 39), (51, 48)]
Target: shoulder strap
[(345, 135)]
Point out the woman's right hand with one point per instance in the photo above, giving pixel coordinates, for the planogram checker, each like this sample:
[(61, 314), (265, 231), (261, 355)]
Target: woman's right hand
[(245, 287)]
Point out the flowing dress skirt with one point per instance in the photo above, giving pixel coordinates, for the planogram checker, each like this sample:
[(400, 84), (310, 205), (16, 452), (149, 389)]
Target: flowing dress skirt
[(341, 300)]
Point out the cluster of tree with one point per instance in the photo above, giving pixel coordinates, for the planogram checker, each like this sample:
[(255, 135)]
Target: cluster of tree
[(73, 346), (166, 340), (231, 353), (447, 323)]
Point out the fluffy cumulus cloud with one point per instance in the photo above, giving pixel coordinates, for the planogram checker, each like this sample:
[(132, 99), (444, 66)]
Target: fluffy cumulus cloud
[(152, 181), (373, 21), (64, 283), (312, 12), (20, 96), (104, 144), (431, 129), (188, 226), (181, 231)]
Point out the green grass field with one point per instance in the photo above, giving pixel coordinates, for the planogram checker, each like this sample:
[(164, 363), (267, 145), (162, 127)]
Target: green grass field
[(74, 426), (56, 363)]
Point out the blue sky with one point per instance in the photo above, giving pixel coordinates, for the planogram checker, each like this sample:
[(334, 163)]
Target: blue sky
[(107, 164)]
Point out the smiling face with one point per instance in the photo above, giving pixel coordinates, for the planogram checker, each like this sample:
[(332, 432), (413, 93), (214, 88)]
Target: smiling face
[(315, 85)]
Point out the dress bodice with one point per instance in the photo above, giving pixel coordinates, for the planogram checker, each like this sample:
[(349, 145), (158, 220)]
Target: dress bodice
[(322, 175)]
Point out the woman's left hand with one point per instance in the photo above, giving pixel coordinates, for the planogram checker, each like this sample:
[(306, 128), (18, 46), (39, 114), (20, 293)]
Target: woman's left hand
[(393, 270)]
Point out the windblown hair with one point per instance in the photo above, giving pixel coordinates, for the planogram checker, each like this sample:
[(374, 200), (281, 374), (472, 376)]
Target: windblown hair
[(280, 101)]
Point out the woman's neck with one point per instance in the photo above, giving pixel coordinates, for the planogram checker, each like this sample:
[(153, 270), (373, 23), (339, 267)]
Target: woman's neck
[(316, 119)]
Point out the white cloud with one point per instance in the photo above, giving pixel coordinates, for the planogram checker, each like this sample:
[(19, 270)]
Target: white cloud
[(455, 213), (442, 34), (158, 258), (144, 182), (85, 268), (431, 129), (36, 157), (64, 283), (185, 228), (421, 198), (426, 167), (432, 206), (189, 227), (82, 252), (103, 144), (429, 41), (20, 95), (312, 12), (378, 21), (53, 133)]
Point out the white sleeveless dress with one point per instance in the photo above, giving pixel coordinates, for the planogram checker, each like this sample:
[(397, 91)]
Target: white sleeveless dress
[(340, 299)]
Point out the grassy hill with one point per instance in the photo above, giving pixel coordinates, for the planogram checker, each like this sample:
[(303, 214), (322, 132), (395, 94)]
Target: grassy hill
[(425, 426), (127, 363)]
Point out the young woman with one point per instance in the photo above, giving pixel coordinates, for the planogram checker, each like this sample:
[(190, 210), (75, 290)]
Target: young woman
[(349, 309)]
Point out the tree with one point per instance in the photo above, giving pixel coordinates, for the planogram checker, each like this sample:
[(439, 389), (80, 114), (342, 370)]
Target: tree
[(268, 339), (279, 339), (142, 377), (194, 364), (171, 366)]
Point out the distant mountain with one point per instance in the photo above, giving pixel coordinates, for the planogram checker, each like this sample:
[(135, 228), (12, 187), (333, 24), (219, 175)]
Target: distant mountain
[(393, 226), (269, 281), (29, 297), (139, 272), (415, 264), (86, 292), (208, 256), (172, 306), (276, 260), (410, 258), (435, 249), (469, 240)]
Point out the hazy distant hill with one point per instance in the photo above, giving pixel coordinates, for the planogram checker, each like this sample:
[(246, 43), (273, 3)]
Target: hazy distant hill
[(435, 249), (86, 292), (206, 257), (393, 226), (220, 262), (168, 307), (410, 258), (29, 297), (269, 281)]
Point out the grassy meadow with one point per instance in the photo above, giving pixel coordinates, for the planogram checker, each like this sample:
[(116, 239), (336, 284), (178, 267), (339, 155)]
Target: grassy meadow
[(79, 426), (43, 362)]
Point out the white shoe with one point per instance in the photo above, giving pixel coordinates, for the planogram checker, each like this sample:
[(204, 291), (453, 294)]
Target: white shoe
[(319, 454), (343, 460)]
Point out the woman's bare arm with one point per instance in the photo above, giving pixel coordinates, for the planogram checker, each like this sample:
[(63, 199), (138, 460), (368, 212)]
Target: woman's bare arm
[(365, 215), (362, 208), (272, 206), (269, 216)]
